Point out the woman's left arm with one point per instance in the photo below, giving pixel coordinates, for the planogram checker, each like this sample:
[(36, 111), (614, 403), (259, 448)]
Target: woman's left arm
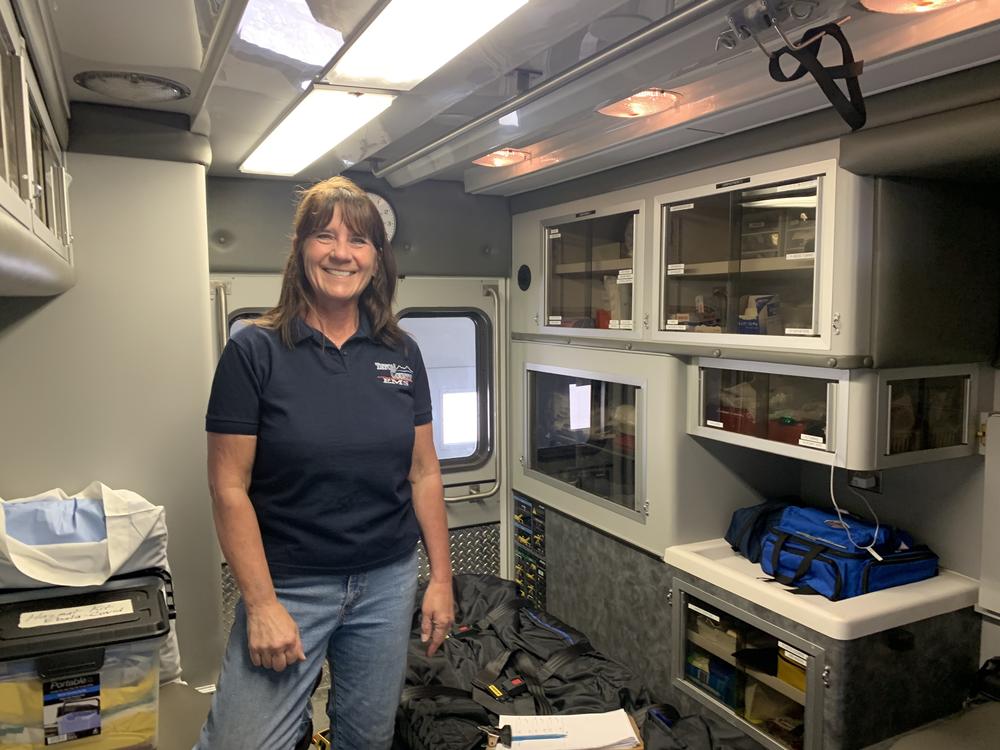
[(428, 503)]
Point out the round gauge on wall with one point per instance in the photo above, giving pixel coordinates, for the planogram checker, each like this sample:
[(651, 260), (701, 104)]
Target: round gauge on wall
[(387, 212)]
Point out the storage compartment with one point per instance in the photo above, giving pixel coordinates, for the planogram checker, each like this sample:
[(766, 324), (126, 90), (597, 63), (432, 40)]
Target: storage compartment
[(81, 667), (591, 270), (581, 432), (742, 260), (855, 419)]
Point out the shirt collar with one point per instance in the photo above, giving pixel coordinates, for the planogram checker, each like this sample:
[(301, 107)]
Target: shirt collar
[(303, 330)]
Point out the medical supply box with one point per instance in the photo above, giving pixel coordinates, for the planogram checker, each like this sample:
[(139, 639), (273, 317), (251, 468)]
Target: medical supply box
[(80, 666)]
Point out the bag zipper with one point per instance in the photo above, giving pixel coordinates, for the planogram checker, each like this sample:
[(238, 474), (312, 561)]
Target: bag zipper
[(903, 557)]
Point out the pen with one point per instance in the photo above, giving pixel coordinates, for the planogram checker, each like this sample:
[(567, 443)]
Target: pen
[(523, 737)]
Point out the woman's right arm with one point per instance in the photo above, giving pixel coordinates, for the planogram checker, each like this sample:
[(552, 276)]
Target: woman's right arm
[(272, 633)]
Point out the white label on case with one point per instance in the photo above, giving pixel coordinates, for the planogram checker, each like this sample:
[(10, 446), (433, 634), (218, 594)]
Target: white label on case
[(713, 423), (710, 615), (682, 207), (811, 441), (554, 233), (794, 654), (675, 271), (800, 256), (555, 320), (798, 332), (675, 265), (675, 327), (625, 325), (625, 279), (48, 617)]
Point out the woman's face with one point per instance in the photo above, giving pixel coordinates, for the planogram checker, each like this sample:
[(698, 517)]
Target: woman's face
[(338, 263)]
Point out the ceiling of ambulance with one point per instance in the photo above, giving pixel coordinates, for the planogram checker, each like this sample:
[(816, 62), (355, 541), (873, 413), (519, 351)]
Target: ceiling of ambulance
[(533, 83)]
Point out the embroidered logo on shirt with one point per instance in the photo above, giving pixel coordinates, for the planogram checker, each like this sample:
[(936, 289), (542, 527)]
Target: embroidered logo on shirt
[(394, 374)]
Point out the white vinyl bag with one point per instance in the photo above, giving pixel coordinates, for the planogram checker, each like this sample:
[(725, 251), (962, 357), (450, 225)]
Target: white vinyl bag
[(55, 539)]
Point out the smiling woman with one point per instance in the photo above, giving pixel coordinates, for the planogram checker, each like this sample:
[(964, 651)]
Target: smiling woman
[(323, 476)]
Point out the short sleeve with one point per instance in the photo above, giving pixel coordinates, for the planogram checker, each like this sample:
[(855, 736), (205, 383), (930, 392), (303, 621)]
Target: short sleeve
[(421, 388), (234, 405)]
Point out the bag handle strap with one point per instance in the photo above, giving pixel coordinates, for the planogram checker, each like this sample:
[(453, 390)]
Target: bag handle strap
[(852, 109), (807, 559)]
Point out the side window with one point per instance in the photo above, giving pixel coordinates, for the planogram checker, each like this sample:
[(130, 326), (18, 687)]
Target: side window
[(455, 345)]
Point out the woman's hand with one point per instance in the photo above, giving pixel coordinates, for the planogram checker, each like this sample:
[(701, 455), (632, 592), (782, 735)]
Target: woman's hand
[(438, 615), (273, 637)]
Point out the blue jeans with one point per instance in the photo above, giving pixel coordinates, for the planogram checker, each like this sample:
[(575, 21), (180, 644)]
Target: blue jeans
[(361, 624)]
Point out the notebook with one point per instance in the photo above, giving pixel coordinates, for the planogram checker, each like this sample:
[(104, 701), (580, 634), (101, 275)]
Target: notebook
[(607, 731)]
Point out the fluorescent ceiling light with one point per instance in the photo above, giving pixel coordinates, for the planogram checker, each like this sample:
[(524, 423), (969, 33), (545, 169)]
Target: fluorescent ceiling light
[(324, 118), (643, 104), (502, 158), (907, 6), (410, 39), (289, 28)]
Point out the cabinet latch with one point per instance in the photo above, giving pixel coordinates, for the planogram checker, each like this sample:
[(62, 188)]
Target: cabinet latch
[(836, 324), (826, 676)]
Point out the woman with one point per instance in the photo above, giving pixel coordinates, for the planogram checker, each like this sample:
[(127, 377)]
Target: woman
[(323, 474)]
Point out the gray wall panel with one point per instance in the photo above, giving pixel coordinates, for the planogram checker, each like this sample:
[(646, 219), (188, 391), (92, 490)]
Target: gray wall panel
[(614, 593), (442, 231)]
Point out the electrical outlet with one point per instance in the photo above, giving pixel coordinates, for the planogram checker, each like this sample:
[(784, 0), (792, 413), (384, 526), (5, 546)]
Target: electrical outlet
[(869, 481)]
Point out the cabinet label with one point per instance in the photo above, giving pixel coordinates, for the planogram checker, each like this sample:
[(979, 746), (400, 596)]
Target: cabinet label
[(710, 615), (554, 234), (714, 423), (675, 269), (800, 256), (675, 326), (625, 325), (793, 654), (625, 279), (682, 207), (798, 332), (812, 441), (555, 320)]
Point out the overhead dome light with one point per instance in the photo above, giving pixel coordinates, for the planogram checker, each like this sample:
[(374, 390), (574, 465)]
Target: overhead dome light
[(132, 87), (504, 157), (642, 104), (907, 6)]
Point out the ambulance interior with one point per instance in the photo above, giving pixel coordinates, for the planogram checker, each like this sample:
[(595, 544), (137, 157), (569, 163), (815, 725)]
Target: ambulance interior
[(659, 272)]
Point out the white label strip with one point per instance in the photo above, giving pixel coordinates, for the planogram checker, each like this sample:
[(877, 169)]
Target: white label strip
[(794, 654), (682, 207), (555, 233), (713, 423), (675, 327), (625, 325), (555, 319), (710, 615), (674, 265), (675, 272), (795, 186), (812, 439), (800, 256), (66, 615), (807, 444), (613, 325), (625, 280), (798, 332)]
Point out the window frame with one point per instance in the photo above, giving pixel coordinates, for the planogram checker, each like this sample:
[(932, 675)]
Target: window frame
[(15, 200), (483, 326)]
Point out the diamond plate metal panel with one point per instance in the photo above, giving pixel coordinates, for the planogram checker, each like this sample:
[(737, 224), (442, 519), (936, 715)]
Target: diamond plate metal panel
[(474, 549)]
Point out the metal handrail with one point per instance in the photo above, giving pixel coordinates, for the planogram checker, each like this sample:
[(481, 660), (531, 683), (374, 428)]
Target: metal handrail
[(221, 313), (491, 291), (631, 43)]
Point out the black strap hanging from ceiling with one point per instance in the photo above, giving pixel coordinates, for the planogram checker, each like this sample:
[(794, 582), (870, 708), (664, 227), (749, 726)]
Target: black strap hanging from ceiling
[(807, 54)]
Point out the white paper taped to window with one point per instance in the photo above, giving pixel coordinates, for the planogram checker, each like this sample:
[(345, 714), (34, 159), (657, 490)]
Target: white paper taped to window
[(48, 617), (579, 406)]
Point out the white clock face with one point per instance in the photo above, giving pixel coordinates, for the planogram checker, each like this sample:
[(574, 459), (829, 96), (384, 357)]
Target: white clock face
[(387, 212)]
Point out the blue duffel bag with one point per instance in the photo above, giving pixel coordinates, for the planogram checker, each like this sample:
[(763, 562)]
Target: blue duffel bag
[(811, 549)]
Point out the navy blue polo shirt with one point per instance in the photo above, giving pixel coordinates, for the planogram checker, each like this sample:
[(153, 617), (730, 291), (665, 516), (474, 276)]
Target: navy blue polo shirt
[(334, 431)]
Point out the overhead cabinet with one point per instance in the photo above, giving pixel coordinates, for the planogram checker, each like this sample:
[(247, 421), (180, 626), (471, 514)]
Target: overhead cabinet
[(34, 207), (784, 258)]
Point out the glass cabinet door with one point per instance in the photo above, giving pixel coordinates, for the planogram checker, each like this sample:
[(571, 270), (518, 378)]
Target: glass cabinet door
[(590, 271), (927, 413), (742, 261), (749, 671), (582, 432), (782, 408)]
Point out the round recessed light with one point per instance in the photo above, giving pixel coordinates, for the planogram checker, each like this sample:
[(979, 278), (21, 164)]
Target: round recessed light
[(131, 87), (907, 6), (504, 157), (643, 103)]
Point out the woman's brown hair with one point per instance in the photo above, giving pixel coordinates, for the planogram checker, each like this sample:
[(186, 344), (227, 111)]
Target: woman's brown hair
[(315, 210)]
